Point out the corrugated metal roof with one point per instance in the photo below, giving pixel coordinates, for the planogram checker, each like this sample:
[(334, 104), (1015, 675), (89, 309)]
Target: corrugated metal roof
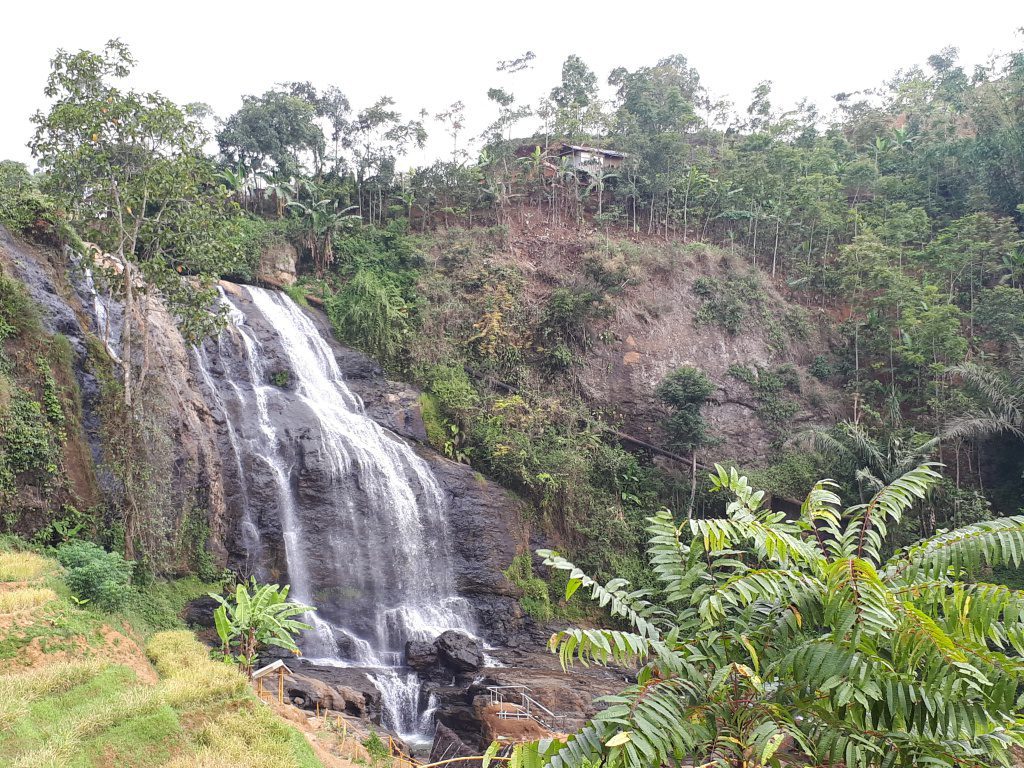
[(598, 150)]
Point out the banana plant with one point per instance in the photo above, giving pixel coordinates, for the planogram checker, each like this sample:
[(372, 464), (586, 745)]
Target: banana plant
[(255, 616)]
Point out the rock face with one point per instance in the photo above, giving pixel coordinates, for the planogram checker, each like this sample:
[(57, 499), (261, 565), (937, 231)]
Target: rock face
[(656, 332), (180, 444), (277, 264), (43, 273)]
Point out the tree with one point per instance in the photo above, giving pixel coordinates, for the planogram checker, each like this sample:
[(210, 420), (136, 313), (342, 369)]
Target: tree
[(793, 642), (255, 616), (579, 111), (129, 169), (275, 133), (685, 390)]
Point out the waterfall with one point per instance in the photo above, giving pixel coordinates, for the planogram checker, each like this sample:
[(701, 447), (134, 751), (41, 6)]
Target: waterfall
[(359, 518)]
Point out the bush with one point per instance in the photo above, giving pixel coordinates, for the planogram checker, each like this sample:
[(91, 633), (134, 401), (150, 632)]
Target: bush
[(535, 599), (451, 386), (102, 578), (821, 368), (685, 390), (370, 313)]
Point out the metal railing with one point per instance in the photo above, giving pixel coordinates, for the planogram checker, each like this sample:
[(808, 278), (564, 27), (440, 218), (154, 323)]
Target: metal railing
[(514, 702)]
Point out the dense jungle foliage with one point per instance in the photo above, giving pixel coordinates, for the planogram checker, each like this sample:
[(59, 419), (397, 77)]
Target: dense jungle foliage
[(898, 213)]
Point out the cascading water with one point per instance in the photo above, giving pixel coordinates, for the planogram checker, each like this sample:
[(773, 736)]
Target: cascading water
[(361, 518)]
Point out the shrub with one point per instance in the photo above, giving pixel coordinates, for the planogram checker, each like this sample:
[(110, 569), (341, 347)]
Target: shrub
[(821, 368), (773, 407), (685, 390), (103, 578), (535, 599), (451, 386), (376, 747), (370, 313)]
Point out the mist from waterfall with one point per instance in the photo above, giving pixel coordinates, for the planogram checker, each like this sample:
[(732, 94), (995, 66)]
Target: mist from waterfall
[(361, 517)]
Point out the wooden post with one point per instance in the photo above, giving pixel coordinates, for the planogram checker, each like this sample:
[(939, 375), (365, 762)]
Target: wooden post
[(280, 685)]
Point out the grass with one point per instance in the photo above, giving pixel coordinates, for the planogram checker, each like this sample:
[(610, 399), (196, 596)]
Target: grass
[(23, 566), (15, 600), (102, 707)]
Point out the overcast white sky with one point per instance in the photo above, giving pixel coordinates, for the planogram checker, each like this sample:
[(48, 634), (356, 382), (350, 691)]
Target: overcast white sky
[(429, 54)]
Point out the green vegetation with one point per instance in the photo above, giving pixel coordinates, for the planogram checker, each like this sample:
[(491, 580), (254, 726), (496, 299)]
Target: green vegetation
[(253, 617), (94, 575), (685, 390), (535, 599), (770, 386), (80, 692), (766, 646)]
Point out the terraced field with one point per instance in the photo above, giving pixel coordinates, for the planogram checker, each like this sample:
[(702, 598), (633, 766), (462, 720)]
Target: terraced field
[(81, 688)]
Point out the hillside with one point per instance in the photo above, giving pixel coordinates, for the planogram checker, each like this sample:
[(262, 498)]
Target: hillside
[(84, 689)]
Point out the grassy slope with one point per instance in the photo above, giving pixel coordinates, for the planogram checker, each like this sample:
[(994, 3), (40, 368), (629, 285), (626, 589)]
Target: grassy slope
[(79, 692)]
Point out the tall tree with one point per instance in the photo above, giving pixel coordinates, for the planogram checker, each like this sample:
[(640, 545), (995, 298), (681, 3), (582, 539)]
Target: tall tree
[(275, 133), (129, 168), (578, 110)]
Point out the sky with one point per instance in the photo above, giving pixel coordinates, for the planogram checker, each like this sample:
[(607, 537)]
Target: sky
[(429, 54)]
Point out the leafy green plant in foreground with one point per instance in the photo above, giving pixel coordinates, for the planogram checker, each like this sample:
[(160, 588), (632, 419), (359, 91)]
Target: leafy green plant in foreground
[(255, 616), (792, 642)]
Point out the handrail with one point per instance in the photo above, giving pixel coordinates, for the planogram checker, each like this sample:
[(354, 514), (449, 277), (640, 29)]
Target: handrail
[(524, 707), (463, 759)]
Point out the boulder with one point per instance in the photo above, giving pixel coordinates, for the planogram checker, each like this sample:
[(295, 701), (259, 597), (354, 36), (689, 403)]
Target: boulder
[(199, 612), (459, 652), (339, 689), (277, 264), (420, 655), (447, 745)]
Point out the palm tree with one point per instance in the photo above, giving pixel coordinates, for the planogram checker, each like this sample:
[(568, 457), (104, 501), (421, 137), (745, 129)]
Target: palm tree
[(284, 192), (1001, 397), (877, 462), (774, 642)]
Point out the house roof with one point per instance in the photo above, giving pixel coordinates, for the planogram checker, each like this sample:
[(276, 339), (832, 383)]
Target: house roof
[(598, 150)]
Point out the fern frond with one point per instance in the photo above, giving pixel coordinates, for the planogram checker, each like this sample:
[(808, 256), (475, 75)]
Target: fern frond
[(991, 542), (868, 524), (676, 565), (600, 646), (983, 612), (856, 600), (632, 606), (777, 587)]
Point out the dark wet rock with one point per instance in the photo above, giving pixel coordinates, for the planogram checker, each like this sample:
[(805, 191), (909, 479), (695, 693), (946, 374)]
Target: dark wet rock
[(343, 689), (447, 744), (199, 612), (456, 711), (459, 652), (420, 655)]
